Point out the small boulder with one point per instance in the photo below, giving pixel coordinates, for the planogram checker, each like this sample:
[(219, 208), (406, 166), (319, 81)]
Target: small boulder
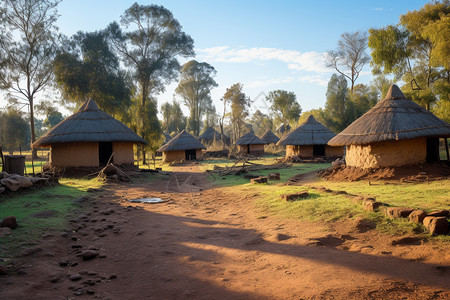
[(89, 254), (9, 222), (3, 270), (436, 225), (439, 213), (398, 212), (294, 196), (371, 205), (274, 176), (417, 216), (75, 277), (260, 179)]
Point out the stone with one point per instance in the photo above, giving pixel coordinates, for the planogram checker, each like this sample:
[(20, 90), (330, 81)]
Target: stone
[(75, 277), (398, 212), (63, 263), (294, 196), (9, 222), (112, 276), (15, 182), (436, 225), (417, 216), (4, 231), (439, 213), (371, 205), (281, 237), (260, 179), (3, 270), (89, 254), (274, 176)]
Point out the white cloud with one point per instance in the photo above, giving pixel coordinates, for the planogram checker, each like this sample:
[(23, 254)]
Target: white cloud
[(314, 79), (269, 82), (307, 61), (379, 9)]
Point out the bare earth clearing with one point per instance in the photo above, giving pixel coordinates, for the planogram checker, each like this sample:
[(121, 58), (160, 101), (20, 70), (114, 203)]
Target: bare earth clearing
[(210, 244)]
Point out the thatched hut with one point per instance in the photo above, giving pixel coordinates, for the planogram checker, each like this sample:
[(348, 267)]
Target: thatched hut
[(269, 137), (395, 132), (210, 135), (182, 147), (88, 138), (310, 140), (283, 129), (250, 144)]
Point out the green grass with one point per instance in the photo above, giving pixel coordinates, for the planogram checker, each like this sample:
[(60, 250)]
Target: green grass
[(23, 204)]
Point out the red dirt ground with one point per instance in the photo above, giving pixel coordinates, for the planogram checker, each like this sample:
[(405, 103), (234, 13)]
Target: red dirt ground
[(210, 244)]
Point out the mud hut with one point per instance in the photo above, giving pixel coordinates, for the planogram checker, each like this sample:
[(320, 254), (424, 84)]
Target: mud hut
[(250, 144), (310, 140), (395, 132), (210, 135), (269, 137), (182, 147), (89, 138)]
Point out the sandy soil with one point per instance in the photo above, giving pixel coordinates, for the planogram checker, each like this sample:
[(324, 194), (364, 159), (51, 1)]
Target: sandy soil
[(210, 244)]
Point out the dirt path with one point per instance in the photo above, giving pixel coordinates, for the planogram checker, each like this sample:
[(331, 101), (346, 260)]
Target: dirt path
[(208, 243)]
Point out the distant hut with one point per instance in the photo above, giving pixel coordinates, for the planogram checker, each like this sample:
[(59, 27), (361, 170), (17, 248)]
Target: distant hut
[(269, 137), (250, 144), (210, 135), (310, 140), (283, 129), (88, 138), (182, 147), (395, 132)]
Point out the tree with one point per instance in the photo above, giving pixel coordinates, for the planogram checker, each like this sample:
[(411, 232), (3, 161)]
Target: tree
[(173, 118), (51, 113), (89, 69), (417, 51), (284, 106), (150, 48), (336, 106), (28, 47), (318, 114), (260, 122), (195, 87), (14, 129), (240, 104), (360, 101), (350, 57)]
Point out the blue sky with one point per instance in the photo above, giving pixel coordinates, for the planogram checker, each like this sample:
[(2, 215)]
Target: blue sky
[(265, 45)]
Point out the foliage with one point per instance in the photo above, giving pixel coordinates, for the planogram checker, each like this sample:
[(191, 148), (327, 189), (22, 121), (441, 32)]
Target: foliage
[(240, 104), (261, 122), (173, 118), (89, 69), (195, 88), (29, 43), (318, 114), (284, 106), (337, 104), (53, 116), (350, 57), (14, 131)]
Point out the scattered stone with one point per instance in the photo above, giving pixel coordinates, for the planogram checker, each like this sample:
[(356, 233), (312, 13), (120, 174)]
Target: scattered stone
[(112, 276), (436, 225), (30, 251), (261, 179), (294, 196), (439, 213), (409, 240), (417, 216), (55, 279), (3, 270), (89, 254), (63, 263), (75, 277), (77, 246), (362, 225), (371, 205), (90, 291), (9, 222), (4, 231), (398, 212), (274, 176), (281, 237)]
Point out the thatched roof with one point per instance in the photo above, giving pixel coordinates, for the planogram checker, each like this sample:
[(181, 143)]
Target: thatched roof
[(394, 118), (89, 124), (283, 128), (269, 137), (182, 141), (312, 132), (211, 134), (249, 139)]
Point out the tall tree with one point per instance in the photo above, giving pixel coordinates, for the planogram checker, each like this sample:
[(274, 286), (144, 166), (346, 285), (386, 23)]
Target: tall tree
[(240, 104), (350, 56), (417, 51), (195, 87), (336, 106), (28, 47), (51, 113), (151, 47), (89, 69), (284, 106), (14, 129), (260, 122)]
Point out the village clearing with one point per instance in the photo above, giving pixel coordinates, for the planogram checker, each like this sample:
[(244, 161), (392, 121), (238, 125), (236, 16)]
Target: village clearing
[(218, 236)]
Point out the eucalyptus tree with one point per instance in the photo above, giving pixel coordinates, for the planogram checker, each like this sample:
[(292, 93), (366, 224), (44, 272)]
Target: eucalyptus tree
[(194, 88), (27, 48), (240, 105), (284, 106)]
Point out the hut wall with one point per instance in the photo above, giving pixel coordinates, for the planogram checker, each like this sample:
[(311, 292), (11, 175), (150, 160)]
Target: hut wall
[(242, 149), (387, 154), (300, 151), (74, 155), (123, 153), (199, 154), (256, 150), (331, 151), (169, 156)]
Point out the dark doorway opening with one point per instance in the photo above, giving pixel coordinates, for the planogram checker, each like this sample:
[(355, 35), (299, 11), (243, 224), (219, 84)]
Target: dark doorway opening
[(432, 149), (318, 150), (248, 149), (105, 150), (191, 154)]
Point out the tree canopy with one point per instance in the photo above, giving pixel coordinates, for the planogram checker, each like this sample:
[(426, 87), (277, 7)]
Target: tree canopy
[(284, 106)]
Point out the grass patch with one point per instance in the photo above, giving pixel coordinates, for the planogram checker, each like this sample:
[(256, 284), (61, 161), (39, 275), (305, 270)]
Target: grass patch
[(23, 204)]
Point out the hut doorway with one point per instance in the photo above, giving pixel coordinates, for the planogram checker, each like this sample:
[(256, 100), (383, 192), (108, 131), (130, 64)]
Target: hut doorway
[(318, 150), (432, 149), (191, 154), (105, 150)]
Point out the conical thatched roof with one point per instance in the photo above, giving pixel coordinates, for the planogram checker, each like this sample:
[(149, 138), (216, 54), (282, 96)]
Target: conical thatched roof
[(89, 124), (283, 128), (312, 132), (269, 137), (211, 134), (249, 139), (182, 141), (394, 118)]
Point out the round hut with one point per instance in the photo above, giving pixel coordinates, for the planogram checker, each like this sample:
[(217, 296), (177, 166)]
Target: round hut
[(269, 137), (283, 129), (250, 144), (395, 132), (89, 138), (210, 135), (310, 140), (182, 147)]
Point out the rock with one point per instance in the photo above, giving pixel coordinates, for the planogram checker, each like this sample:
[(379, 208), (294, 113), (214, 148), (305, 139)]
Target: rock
[(371, 205), (15, 182), (31, 251), (112, 276), (75, 277), (63, 263), (274, 176), (362, 225), (4, 231), (89, 254), (439, 213), (417, 216), (409, 240), (3, 270), (398, 212), (9, 222), (436, 225), (260, 179), (294, 196), (281, 237)]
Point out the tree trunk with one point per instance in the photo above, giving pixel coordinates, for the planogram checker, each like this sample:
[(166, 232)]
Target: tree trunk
[(33, 134)]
